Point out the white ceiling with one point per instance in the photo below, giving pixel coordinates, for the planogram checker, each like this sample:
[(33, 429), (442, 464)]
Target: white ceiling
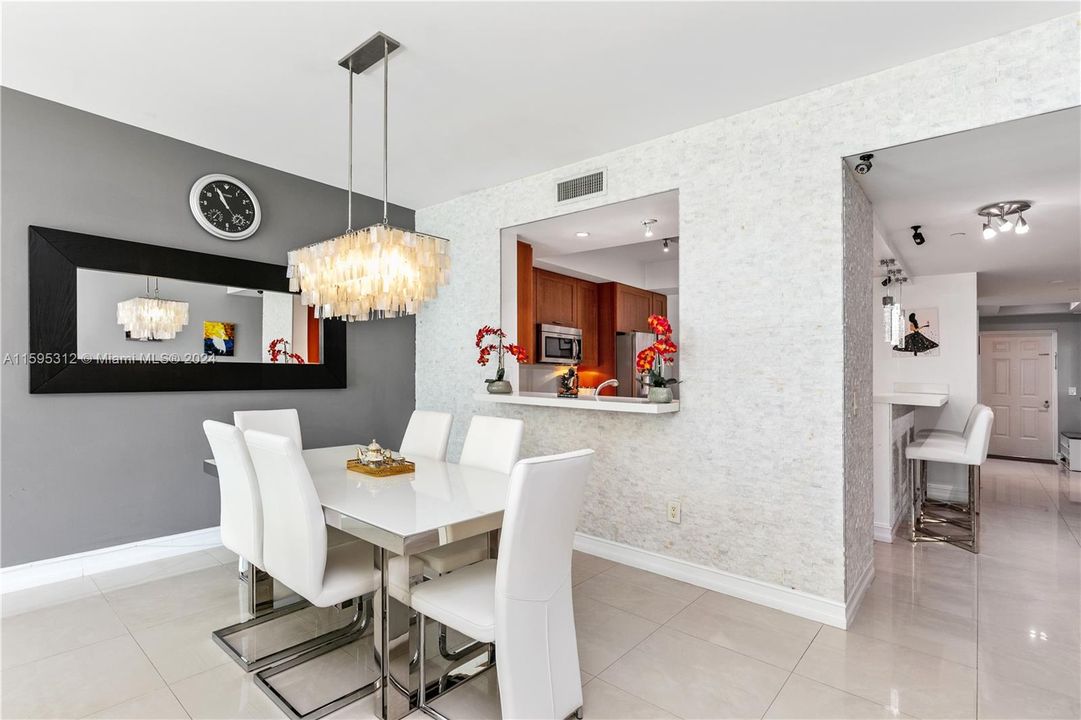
[(940, 183), (481, 93), (608, 226)]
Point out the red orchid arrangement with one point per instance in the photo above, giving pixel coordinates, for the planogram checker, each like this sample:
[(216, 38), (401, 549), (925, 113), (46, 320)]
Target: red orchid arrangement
[(651, 360), (276, 352), (516, 351)]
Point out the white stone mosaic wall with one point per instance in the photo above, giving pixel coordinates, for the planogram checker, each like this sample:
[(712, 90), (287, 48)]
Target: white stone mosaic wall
[(859, 317), (757, 452)]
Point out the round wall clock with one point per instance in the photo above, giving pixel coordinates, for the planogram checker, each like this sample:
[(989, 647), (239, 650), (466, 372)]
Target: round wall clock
[(225, 207)]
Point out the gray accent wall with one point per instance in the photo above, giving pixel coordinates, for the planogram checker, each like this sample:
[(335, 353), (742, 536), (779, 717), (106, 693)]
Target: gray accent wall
[(81, 472), (1069, 357)]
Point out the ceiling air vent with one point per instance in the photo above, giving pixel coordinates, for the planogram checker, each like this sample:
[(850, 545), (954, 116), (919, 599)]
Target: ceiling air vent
[(580, 187)]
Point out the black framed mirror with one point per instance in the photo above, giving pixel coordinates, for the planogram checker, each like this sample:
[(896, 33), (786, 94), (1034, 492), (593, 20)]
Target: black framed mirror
[(110, 315)]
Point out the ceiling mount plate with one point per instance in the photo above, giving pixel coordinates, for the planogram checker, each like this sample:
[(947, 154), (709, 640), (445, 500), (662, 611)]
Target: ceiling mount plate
[(1002, 209), (369, 52)]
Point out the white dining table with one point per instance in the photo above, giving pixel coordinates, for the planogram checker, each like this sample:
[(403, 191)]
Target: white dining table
[(405, 514)]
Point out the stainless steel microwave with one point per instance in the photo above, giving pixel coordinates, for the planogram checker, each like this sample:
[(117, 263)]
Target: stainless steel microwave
[(559, 345)]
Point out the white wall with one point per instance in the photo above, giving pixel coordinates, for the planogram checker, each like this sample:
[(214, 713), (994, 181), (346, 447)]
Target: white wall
[(756, 452), (958, 363)]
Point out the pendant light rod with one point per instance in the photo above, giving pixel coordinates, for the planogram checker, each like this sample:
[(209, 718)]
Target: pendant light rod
[(350, 152), (386, 105), (378, 47)]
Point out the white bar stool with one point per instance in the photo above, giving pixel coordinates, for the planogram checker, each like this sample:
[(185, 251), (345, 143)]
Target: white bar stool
[(930, 517)]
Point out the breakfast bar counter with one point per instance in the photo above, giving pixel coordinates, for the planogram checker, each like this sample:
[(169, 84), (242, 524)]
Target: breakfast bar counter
[(604, 403)]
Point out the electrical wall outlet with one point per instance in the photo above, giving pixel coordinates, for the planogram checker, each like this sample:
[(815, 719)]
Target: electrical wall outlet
[(1073, 390), (674, 511)]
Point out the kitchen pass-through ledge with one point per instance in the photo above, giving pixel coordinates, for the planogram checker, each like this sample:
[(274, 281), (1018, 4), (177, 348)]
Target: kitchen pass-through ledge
[(605, 404)]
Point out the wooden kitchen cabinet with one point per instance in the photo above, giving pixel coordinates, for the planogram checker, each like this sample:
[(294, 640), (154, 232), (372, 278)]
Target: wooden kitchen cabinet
[(659, 304), (555, 297), (586, 315), (527, 329), (633, 308)]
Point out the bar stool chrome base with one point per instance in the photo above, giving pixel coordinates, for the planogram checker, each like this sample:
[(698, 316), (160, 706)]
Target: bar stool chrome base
[(930, 517), (317, 647)]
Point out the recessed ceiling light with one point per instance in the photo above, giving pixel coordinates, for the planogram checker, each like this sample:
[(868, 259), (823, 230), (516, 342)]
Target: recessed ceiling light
[(957, 234), (581, 234)]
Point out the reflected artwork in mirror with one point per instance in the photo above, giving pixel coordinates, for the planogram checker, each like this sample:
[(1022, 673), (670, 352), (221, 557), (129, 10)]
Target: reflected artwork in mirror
[(111, 315)]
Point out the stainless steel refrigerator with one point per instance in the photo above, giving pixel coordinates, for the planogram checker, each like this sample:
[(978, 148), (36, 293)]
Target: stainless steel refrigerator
[(628, 345)]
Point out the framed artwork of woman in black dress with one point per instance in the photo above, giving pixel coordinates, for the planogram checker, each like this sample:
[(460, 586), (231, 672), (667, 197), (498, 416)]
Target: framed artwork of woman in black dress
[(921, 337)]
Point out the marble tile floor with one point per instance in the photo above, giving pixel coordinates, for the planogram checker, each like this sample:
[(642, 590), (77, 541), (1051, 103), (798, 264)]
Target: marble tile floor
[(941, 634)]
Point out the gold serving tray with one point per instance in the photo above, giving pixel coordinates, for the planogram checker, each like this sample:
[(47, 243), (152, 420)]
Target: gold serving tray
[(384, 469)]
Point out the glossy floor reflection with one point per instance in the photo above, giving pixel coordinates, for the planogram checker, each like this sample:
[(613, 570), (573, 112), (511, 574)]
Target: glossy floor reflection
[(941, 634)]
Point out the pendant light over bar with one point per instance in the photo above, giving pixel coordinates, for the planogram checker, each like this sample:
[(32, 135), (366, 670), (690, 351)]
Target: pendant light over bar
[(378, 271)]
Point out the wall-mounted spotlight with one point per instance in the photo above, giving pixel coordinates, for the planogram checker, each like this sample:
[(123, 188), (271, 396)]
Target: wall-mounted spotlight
[(917, 236), (649, 226), (864, 165), (665, 246)]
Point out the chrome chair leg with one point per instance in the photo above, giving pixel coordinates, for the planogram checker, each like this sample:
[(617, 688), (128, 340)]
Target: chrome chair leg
[(328, 642), (455, 655), (260, 602)]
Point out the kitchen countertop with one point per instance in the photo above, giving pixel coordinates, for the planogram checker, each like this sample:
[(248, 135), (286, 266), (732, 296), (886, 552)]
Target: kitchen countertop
[(607, 403), (912, 398)]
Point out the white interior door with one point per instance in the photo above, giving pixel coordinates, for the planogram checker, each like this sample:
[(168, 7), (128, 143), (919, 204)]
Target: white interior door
[(1016, 382)]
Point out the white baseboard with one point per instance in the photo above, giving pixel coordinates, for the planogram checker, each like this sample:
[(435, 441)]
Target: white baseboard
[(885, 533), (812, 607), (857, 593), (42, 572)]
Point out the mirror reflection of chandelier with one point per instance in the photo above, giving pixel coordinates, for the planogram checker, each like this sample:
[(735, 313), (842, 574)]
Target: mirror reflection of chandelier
[(378, 271), (152, 318)]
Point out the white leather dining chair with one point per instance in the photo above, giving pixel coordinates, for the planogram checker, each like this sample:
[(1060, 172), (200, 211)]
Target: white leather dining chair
[(492, 443), (241, 523), (929, 517), (295, 551), (522, 601), (276, 422), (427, 435)]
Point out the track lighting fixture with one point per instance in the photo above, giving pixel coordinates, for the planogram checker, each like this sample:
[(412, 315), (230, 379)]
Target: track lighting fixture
[(1008, 216), (649, 226), (917, 236), (1021, 227), (665, 246)]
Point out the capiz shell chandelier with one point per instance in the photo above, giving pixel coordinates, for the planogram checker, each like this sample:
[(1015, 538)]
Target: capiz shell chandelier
[(152, 318), (378, 271)]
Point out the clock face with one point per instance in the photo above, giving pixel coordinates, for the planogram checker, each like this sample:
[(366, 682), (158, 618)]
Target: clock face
[(225, 207)]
